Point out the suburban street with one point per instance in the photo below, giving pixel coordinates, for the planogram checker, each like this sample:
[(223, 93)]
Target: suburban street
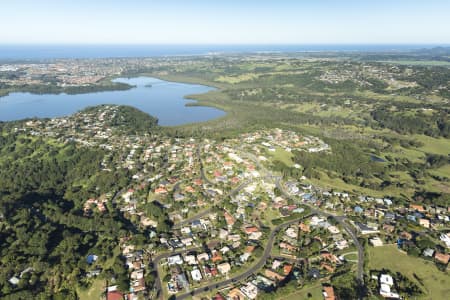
[(268, 249), (342, 220), (236, 278)]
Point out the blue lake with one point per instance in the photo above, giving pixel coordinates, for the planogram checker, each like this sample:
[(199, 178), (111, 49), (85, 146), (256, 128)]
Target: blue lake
[(163, 99)]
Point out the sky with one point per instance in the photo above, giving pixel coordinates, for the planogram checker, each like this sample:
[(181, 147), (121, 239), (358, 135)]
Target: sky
[(224, 22)]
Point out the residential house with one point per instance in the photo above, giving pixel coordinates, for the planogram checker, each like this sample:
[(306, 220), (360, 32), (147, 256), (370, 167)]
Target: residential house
[(428, 252), (386, 283), (291, 232), (333, 230), (236, 294), (137, 285), (203, 257), (250, 290), (416, 207), (358, 209), (304, 227), (287, 247), (366, 229), (376, 242), (216, 256), (341, 244), (327, 267), (218, 297), (446, 239), (114, 295), (190, 259), (224, 249), (276, 264), (224, 268), (223, 234), (229, 219), (406, 235), (388, 228), (287, 269), (273, 275), (251, 229), (174, 260), (328, 293), (424, 222), (244, 257), (442, 257), (187, 241), (196, 275)]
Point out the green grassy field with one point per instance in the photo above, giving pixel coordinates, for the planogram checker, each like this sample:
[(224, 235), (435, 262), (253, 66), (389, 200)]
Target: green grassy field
[(433, 145), (418, 62), (442, 171), (94, 292), (282, 155), (436, 283), (315, 290), (413, 155), (340, 185), (351, 256)]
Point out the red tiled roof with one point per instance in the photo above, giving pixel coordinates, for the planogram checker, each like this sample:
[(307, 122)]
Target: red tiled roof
[(287, 269), (115, 295), (329, 293), (228, 218), (250, 229), (249, 249), (443, 258), (218, 297)]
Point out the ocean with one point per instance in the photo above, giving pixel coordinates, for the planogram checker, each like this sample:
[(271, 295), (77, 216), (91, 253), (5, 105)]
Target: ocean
[(43, 52)]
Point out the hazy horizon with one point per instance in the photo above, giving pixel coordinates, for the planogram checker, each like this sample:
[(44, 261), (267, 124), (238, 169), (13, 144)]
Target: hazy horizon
[(52, 51)]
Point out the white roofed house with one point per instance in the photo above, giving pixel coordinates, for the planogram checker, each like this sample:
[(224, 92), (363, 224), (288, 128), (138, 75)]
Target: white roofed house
[(255, 235), (341, 244), (446, 239), (196, 275), (202, 257), (223, 234), (187, 241), (386, 283), (291, 232), (428, 252), (244, 257), (185, 230), (376, 242), (225, 249), (137, 274), (190, 259), (250, 290), (333, 229), (224, 268), (174, 260)]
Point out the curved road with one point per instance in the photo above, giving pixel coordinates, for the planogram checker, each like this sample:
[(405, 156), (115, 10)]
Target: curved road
[(202, 170), (342, 220), (155, 262), (194, 217), (242, 276)]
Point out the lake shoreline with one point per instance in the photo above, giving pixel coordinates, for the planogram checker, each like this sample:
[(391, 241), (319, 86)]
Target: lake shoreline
[(170, 101)]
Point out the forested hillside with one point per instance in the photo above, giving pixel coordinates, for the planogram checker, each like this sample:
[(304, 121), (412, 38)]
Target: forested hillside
[(43, 229)]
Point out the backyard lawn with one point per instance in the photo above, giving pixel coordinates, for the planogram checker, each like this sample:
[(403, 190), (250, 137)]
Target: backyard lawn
[(94, 292), (436, 283), (315, 290)]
